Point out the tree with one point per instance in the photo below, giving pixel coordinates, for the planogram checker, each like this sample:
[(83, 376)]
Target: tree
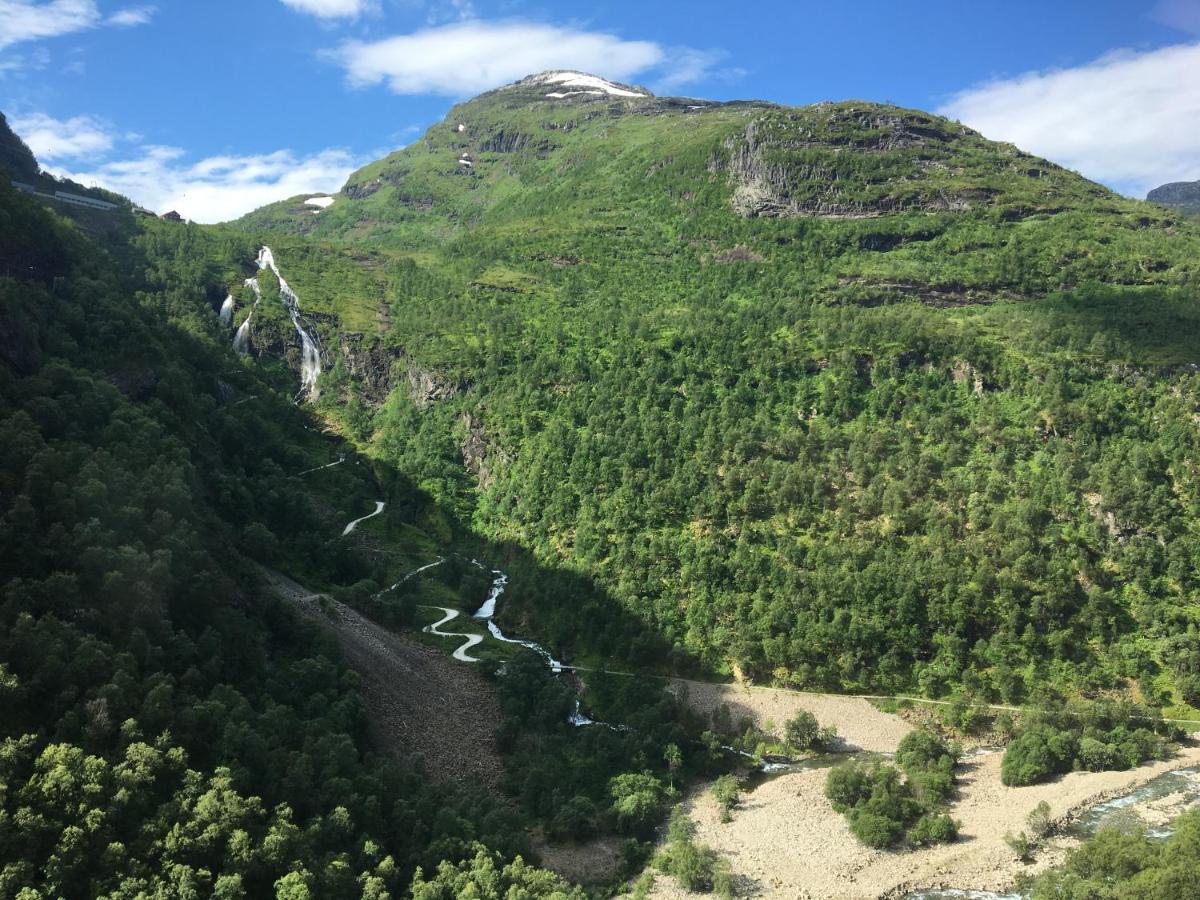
[(726, 791)]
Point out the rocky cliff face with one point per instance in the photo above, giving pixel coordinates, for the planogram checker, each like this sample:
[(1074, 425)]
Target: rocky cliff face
[(1181, 195)]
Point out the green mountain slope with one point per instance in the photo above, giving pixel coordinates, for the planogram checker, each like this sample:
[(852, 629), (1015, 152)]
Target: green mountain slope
[(844, 396)]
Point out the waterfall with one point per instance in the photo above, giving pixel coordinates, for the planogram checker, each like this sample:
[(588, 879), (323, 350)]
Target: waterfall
[(310, 353), (310, 350), (226, 313), (241, 340)]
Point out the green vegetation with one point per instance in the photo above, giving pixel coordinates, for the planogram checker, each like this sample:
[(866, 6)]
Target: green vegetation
[(886, 808), (802, 733), (727, 790), (1090, 735), (842, 397), (486, 877), (845, 396), (1023, 844), (696, 867), (1116, 866)]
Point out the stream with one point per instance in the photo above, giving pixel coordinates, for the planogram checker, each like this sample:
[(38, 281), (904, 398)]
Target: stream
[(1121, 813), (379, 505)]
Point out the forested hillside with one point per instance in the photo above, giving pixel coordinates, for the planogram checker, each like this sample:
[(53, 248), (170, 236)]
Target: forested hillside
[(168, 728), (845, 396), (842, 397)]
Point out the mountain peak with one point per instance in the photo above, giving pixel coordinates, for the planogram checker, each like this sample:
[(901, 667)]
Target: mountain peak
[(562, 83)]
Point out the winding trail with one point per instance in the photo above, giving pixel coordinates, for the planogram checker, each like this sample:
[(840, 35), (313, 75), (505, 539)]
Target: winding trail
[(379, 505), (471, 639)]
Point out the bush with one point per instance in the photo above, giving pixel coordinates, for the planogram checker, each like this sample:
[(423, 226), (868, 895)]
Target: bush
[(696, 867), (1039, 820), (1037, 755), (876, 830), (726, 791), (801, 731), (933, 829), (848, 785)]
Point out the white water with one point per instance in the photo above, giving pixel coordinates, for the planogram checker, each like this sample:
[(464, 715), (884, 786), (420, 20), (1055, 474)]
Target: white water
[(379, 504), (470, 640), (412, 574), (337, 462), (226, 313), (310, 354), (241, 340)]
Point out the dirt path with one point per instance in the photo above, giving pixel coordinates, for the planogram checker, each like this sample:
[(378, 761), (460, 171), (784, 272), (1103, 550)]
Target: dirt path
[(786, 840), (860, 725), (419, 700)]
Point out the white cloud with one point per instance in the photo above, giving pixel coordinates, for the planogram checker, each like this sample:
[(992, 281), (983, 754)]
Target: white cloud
[(30, 20), (57, 139), (133, 15), (1129, 119), (218, 188), (472, 56), (331, 9), (26, 20)]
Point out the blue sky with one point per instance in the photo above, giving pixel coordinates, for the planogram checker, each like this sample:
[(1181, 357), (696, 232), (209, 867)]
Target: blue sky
[(218, 106)]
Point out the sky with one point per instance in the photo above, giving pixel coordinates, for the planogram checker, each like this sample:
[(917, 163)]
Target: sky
[(216, 107)]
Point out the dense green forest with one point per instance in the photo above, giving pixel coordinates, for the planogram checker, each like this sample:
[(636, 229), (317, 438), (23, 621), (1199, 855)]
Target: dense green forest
[(844, 397)]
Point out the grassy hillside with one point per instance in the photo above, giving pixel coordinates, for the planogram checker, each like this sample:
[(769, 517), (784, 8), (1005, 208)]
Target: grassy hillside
[(844, 396)]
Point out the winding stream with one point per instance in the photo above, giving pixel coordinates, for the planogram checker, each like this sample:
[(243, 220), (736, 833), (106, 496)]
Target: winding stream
[(470, 640), (379, 505)]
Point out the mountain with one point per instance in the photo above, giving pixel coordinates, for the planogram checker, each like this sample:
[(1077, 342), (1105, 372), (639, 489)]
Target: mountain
[(841, 397), (1181, 195), (844, 396)]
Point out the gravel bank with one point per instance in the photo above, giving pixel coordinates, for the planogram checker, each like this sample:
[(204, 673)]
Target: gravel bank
[(786, 840), (860, 725)]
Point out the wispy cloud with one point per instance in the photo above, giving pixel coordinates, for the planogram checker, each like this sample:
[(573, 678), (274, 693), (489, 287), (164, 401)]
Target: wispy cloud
[(1129, 119), (26, 20), (133, 15), (218, 188), (471, 56), (56, 140), (331, 9), (30, 20)]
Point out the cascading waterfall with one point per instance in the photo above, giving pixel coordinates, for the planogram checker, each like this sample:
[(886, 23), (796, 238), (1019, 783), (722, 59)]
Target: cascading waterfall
[(226, 313), (241, 339), (310, 351)]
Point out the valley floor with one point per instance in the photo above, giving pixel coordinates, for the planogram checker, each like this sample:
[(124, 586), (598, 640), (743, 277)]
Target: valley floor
[(786, 840)]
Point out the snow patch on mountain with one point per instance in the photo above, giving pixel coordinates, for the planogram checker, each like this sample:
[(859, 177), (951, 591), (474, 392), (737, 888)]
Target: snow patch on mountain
[(592, 84)]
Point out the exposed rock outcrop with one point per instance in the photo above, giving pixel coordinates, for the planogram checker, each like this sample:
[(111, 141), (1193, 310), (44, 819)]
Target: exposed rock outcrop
[(370, 365), (425, 386), (1181, 195), (480, 457)]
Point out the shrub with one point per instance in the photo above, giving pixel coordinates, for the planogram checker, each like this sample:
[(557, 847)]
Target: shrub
[(726, 790), (933, 829), (1039, 820), (801, 731), (876, 830), (1036, 755), (848, 785)]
